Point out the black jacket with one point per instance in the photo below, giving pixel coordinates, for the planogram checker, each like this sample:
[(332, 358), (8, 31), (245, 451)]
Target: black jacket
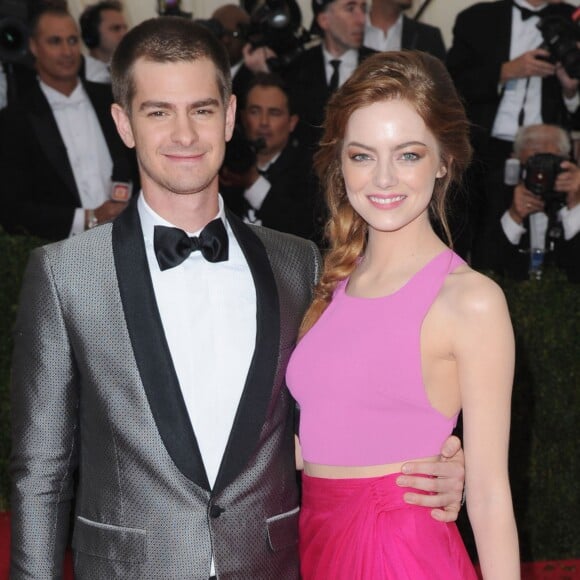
[(39, 194)]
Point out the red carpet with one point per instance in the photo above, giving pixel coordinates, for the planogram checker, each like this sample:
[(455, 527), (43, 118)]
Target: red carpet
[(561, 570)]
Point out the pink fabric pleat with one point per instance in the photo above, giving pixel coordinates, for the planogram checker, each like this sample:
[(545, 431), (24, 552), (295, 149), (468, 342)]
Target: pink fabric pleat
[(361, 529)]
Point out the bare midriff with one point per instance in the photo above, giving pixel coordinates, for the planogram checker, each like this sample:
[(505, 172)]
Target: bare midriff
[(354, 472)]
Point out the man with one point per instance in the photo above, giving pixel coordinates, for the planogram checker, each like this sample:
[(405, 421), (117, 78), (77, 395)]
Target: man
[(387, 28), (233, 24), (61, 159), (158, 371), (103, 25), (234, 21), (522, 227), (506, 83), (277, 190), (320, 70)]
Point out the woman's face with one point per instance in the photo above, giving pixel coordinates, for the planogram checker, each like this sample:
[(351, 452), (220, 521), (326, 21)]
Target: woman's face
[(390, 161)]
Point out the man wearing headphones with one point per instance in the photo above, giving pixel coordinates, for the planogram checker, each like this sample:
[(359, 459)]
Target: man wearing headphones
[(102, 27)]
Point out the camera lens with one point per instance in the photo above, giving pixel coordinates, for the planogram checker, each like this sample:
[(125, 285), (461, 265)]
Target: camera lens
[(12, 39)]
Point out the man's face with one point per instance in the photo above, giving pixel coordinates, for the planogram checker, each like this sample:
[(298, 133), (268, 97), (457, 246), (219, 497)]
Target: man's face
[(56, 48), (343, 23), (111, 30), (267, 116), (179, 126)]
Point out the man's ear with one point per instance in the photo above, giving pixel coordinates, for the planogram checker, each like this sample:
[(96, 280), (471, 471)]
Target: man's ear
[(322, 20), (32, 47), (230, 118), (123, 124), (293, 122)]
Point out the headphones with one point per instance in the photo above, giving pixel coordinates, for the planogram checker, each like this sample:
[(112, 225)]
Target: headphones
[(89, 22)]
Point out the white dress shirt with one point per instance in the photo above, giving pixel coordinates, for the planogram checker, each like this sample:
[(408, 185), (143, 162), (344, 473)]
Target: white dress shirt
[(377, 39), (348, 62), (208, 311), (258, 191), (96, 70), (86, 148), (570, 219)]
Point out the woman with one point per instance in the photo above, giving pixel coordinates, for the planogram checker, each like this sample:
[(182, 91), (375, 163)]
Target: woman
[(401, 335)]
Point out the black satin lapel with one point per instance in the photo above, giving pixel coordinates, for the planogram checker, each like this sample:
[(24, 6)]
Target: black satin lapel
[(44, 126), (150, 347), (257, 391)]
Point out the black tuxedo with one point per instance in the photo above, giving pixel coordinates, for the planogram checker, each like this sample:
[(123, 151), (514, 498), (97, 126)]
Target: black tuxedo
[(420, 36), (39, 193), (306, 79), (481, 44), (289, 205)]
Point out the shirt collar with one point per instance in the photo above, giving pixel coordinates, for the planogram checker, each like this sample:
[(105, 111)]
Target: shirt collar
[(397, 27), (150, 218), (58, 100), (525, 4), (349, 58)]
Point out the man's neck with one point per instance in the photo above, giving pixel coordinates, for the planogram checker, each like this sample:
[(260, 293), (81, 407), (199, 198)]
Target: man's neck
[(384, 15), (190, 212), (64, 87), (264, 159), (333, 48), (100, 55)]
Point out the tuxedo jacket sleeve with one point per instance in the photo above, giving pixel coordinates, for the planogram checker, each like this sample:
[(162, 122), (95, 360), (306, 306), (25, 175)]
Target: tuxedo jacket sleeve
[(94, 390), (39, 194)]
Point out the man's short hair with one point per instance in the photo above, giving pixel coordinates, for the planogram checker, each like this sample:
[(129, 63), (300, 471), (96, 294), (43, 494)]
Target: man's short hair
[(263, 79), (167, 39), (530, 135), (53, 8), (91, 18)]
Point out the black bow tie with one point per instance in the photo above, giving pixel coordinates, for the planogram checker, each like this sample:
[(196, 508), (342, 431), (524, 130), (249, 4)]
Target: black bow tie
[(527, 13), (173, 246)]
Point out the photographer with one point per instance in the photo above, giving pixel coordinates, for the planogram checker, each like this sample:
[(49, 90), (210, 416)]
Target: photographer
[(501, 65), (550, 221), (275, 188)]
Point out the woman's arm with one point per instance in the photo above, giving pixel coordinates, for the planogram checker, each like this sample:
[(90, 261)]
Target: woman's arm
[(483, 346)]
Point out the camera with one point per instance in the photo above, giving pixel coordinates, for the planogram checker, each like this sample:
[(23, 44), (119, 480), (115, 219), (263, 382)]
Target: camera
[(539, 174), (277, 24), (560, 37), (13, 31)]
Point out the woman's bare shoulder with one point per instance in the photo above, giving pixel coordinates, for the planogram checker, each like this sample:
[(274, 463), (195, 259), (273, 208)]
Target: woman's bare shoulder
[(469, 293)]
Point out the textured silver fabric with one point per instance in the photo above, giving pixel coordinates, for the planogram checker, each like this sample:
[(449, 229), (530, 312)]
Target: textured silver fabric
[(78, 400)]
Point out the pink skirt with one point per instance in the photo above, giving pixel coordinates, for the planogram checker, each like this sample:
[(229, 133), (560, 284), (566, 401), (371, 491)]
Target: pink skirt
[(361, 529)]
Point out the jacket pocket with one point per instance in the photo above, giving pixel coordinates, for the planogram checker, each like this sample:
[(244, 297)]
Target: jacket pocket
[(283, 529), (111, 542)]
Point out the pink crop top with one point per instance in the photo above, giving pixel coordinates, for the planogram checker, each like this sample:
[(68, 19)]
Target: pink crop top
[(358, 380)]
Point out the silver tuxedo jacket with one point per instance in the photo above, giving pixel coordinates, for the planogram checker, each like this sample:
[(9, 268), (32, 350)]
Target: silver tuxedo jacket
[(101, 434)]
